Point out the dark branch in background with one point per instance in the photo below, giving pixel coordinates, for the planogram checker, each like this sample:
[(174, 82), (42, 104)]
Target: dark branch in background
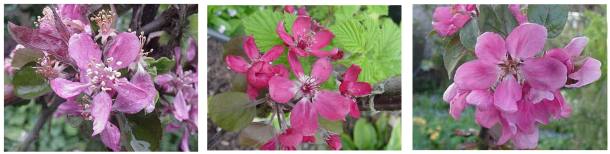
[(45, 115), (169, 17), (389, 100)]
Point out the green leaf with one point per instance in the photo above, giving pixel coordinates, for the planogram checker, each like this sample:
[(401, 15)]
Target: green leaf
[(376, 47), (469, 34), (262, 24), (375, 11), (347, 143), (161, 65), (381, 125), (345, 12), (255, 135), (452, 55), (24, 56), (395, 138), (231, 110), (365, 136), (28, 84), (553, 17), (146, 129), (496, 18), (332, 126)]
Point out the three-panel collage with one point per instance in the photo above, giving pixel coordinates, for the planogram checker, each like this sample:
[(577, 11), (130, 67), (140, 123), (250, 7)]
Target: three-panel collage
[(397, 76)]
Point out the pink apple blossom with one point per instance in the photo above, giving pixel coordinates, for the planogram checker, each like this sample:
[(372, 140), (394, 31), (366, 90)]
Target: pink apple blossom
[(447, 20), (581, 70), (301, 10), (520, 17), (351, 88), (288, 140), (308, 38), (260, 70), (334, 142), (311, 99)]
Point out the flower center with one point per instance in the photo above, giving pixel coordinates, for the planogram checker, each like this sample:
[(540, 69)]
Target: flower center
[(103, 76), (305, 41), (104, 20), (309, 86)]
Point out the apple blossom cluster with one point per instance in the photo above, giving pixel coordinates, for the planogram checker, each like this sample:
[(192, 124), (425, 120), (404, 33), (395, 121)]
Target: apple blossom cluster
[(99, 80), (447, 20), (515, 85), (304, 93)]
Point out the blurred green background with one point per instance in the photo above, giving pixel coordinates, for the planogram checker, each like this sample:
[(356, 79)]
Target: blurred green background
[(433, 127)]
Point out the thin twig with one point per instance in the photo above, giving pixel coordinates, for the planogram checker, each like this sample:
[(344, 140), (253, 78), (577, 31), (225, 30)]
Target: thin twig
[(45, 116)]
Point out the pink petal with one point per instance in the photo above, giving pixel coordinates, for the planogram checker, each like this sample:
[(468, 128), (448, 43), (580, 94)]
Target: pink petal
[(69, 107), (281, 89), (490, 48), (321, 53), (460, 19), (142, 80), (535, 95), (525, 140), (165, 81), (351, 74), (444, 29), (508, 131), (31, 38), (100, 111), (184, 142), (334, 142), (331, 105), (237, 64), (181, 109), (66, 89), (123, 49), (295, 64), (74, 12), (589, 72), (252, 92), (302, 26), (290, 138), (321, 70), (526, 40), (507, 93), (442, 14), (111, 137), (83, 50), (544, 73), (304, 118), (450, 92), (250, 48), (487, 118), (575, 47), (355, 88), (457, 105), (131, 94), (302, 11), (259, 74), (354, 111), (273, 53), (322, 39), (191, 51), (516, 11), (482, 99), (560, 55), (281, 31), (476, 74)]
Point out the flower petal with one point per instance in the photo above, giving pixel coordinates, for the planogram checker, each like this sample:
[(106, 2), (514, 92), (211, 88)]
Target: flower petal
[(281, 31), (334, 142), (508, 131), (487, 117), (304, 118), (588, 73), (476, 74), (322, 38), (111, 137), (191, 51), (526, 141), (354, 111), (575, 47), (302, 25), (237, 63), (66, 88), (165, 81), (69, 107), (250, 48), (184, 142), (516, 11), (281, 89), (321, 70), (544, 73), (34, 39), (442, 14), (259, 74), (535, 96), (295, 64), (273, 53), (355, 88), (457, 105), (100, 111), (351, 74), (507, 93), (482, 99), (526, 40), (83, 50), (181, 109), (490, 48), (252, 92), (123, 49), (290, 138), (142, 80), (321, 53), (331, 105)]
